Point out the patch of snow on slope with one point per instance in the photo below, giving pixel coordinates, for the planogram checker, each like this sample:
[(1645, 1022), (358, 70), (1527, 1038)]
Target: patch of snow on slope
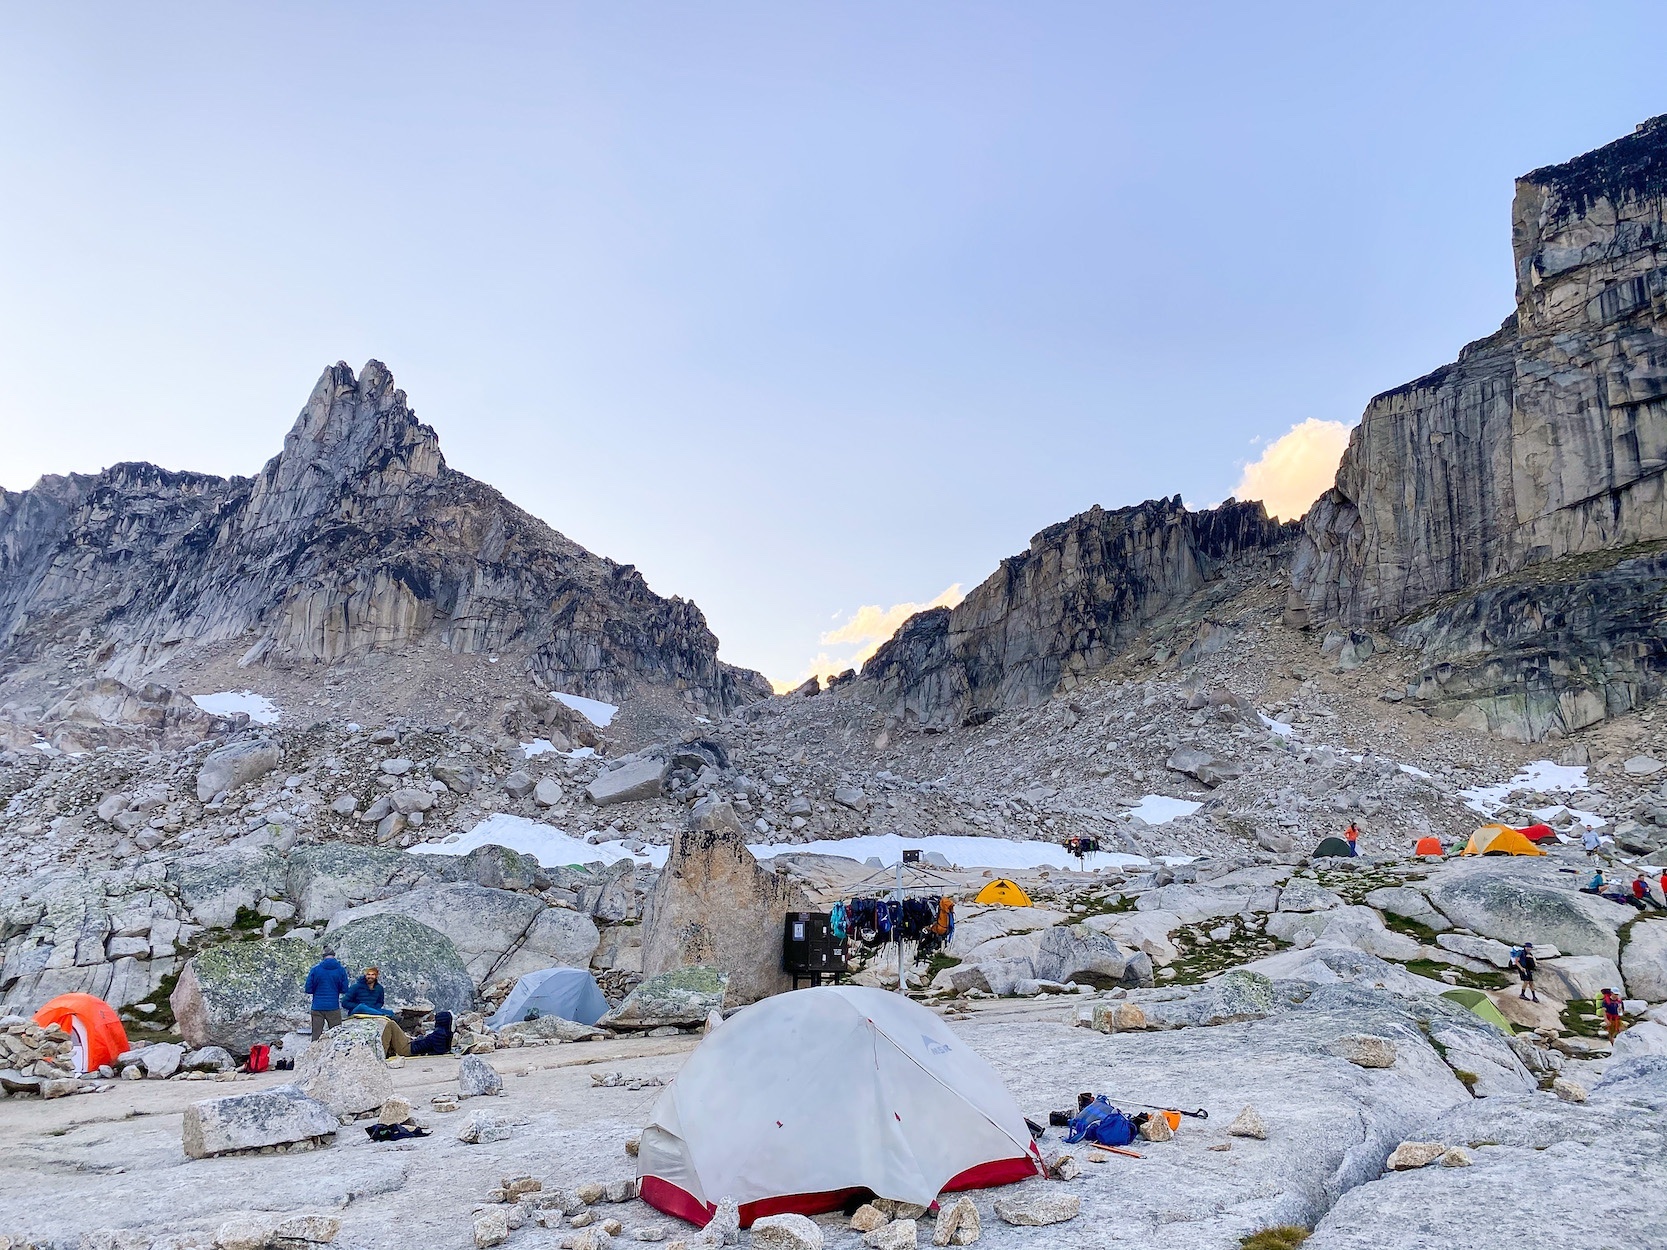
[(595, 711), (554, 848), (1159, 809), (1540, 775), (260, 709)]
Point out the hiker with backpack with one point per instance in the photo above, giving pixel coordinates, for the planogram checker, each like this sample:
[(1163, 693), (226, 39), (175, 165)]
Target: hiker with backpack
[(1611, 1003), (1522, 959), (326, 982)]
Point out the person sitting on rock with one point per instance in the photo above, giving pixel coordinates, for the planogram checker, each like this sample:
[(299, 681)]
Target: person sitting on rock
[(436, 1041), (1641, 892), (326, 982), (1595, 885), (367, 996)]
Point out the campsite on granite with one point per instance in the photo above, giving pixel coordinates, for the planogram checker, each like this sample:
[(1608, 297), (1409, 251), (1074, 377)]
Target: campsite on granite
[(381, 867)]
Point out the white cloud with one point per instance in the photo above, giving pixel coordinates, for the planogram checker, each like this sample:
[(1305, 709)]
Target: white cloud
[(860, 637), (1296, 468)]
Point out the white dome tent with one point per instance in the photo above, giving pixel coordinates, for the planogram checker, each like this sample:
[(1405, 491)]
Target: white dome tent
[(804, 1099)]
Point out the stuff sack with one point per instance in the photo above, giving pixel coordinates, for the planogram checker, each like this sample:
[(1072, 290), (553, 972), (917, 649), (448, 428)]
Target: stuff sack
[(1101, 1123), (260, 1058)]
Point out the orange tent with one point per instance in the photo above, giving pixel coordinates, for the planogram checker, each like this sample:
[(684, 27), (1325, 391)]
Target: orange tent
[(97, 1029), (1428, 846), (1499, 840)]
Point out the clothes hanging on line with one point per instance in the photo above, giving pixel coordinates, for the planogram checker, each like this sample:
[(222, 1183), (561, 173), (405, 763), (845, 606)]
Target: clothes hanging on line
[(877, 921)]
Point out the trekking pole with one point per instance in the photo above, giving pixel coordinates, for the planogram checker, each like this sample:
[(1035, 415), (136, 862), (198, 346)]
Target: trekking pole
[(1200, 1114)]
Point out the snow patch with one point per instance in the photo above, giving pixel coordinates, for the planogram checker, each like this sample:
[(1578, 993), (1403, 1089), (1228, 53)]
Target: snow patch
[(554, 848), (1160, 809), (595, 711), (1277, 726), (1540, 775), (260, 709), (540, 746)]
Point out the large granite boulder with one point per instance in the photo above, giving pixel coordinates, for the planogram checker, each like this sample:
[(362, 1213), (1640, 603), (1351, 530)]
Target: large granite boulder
[(266, 1117), (239, 994), (236, 765), (1577, 976), (1359, 927), (216, 883), (498, 933), (1515, 904), (324, 879), (418, 964), (1077, 953), (631, 782), (1230, 998), (346, 1069), (714, 905), (1409, 904), (682, 997), (1644, 961)]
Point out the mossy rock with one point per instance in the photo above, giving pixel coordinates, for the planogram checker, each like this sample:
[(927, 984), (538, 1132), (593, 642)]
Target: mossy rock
[(681, 997), (417, 963), (239, 994)]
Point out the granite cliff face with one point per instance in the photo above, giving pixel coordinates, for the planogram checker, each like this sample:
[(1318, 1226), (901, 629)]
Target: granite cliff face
[(355, 539), (1063, 608), (1537, 458)]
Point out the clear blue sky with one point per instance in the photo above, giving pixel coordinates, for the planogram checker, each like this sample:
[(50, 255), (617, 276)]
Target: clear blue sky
[(797, 307)]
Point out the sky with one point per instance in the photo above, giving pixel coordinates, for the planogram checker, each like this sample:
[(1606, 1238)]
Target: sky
[(812, 312)]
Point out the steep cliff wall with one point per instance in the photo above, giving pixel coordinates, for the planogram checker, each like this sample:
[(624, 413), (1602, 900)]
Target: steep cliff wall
[(1543, 444), (1062, 608), (356, 538)]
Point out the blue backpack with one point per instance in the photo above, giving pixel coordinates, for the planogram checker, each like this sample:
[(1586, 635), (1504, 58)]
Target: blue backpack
[(1102, 1124)]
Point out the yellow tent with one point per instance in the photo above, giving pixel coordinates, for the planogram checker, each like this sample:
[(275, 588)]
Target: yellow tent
[(1003, 893), (1499, 840)]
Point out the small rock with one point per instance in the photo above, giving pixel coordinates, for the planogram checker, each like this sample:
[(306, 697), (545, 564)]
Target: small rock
[(1456, 1157), (1567, 1090), (396, 768), (651, 1232), (1415, 1154), (1066, 1168), (786, 1232), (590, 1193), (1156, 1128), (515, 1186), (243, 1232), (612, 1227), (483, 1126), (1248, 1124), (548, 792), (492, 1227), (897, 1235), (724, 1229), (1039, 1209), (1365, 1051), (394, 1111), (958, 1226), (867, 1218), (621, 1191), (476, 1078), (583, 1219), (317, 1229), (633, 1144)]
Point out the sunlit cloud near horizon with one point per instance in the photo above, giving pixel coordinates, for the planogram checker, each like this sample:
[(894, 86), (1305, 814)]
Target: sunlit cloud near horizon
[(852, 643), (1295, 469)]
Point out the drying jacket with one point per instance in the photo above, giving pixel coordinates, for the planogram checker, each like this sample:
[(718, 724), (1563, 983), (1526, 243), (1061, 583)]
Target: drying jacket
[(327, 982)]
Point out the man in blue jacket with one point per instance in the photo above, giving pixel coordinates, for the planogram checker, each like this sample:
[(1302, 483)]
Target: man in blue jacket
[(327, 982), (367, 997)]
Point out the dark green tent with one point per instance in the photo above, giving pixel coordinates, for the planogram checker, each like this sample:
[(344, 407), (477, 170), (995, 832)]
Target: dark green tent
[(1331, 846)]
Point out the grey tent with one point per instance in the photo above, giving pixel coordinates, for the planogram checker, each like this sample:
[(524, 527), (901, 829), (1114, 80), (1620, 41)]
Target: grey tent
[(570, 993)]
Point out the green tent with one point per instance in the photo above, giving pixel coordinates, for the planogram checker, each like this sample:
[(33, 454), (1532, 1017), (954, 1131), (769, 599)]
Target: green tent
[(1481, 1005), (1331, 846)]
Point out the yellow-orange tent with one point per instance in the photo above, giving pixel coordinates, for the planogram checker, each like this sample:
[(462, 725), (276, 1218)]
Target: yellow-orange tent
[(1499, 840), (1003, 893)]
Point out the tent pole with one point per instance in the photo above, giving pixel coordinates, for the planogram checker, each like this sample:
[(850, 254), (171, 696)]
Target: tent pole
[(898, 933)]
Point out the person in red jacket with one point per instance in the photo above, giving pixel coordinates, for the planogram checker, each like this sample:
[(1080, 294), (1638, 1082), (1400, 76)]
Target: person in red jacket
[(1611, 1013), (1641, 892)]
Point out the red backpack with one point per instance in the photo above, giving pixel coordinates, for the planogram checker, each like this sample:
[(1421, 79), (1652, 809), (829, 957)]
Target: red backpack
[(260, 1058)]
